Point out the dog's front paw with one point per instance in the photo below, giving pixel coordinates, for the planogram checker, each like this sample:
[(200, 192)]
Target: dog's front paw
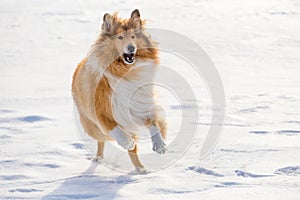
[(159, 145), (129, 144), (123, 139)]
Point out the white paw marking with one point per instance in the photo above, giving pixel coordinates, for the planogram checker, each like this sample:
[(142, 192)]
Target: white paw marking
[(159, 145), (141, 170), (97, 159), (123, 139)]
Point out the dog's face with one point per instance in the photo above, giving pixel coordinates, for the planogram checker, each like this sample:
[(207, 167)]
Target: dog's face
[(125, 43), (124, 34)]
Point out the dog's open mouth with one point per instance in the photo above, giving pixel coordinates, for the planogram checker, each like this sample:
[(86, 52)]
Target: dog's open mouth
[(128, 58)]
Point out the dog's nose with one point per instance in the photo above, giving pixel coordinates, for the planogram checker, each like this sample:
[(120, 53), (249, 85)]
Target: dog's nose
[(131, 48)]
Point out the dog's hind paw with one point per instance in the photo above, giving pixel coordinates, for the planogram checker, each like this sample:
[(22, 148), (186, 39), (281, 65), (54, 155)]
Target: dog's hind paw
[(141, 170), (97, 159), (159, 145)]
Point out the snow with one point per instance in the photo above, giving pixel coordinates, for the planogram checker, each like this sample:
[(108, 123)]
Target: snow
[(255, 46)]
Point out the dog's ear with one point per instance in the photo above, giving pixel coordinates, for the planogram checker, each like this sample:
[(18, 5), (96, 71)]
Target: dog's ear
[(136, 19), (135, 14), (107, 23)]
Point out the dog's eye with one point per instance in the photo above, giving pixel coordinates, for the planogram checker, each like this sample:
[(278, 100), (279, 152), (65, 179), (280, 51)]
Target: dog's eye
[(120, 37), (132, 37)]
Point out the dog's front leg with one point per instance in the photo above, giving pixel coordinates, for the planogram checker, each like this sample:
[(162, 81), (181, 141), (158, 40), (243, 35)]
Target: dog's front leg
[(122, 138), (158, 142)]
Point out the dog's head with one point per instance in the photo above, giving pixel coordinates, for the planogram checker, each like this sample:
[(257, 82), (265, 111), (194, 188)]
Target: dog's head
[(126, 34)]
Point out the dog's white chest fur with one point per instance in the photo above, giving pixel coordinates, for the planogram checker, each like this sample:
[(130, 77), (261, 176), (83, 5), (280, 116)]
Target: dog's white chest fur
[(133, 96)]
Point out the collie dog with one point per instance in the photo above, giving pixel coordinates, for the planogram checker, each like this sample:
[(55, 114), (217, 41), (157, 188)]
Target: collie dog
[(112, 87)]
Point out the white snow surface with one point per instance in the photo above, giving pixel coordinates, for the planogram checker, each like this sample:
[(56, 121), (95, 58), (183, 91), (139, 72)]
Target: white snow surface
[(255, 46)]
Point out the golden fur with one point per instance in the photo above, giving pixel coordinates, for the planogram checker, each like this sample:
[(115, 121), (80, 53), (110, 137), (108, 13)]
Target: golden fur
[(90, 87)]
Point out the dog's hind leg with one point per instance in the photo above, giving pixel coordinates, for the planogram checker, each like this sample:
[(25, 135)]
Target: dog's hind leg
[(99, 154), (100, 149), (92, 130), (135, 160)]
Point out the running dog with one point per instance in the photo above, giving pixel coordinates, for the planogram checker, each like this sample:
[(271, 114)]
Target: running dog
[(111, 87)]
